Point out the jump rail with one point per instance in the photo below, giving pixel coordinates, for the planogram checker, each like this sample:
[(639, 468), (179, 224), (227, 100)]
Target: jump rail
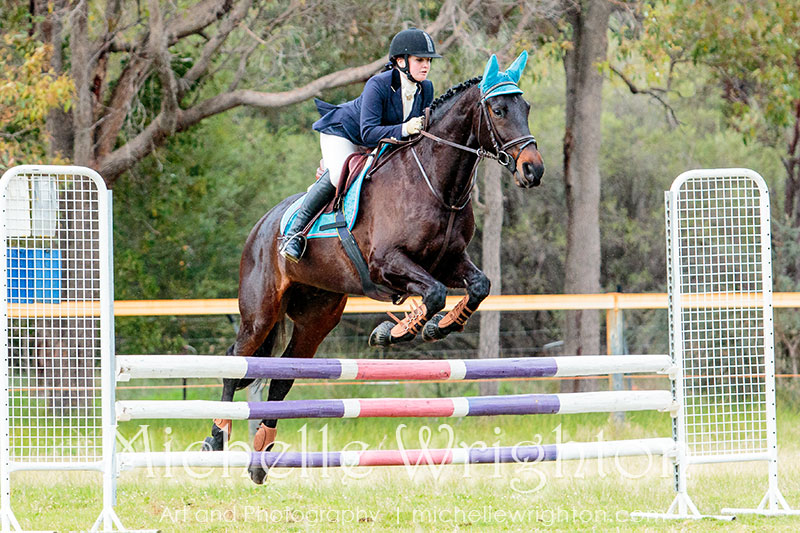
[(504, 454), (172, 366), (514, 404)]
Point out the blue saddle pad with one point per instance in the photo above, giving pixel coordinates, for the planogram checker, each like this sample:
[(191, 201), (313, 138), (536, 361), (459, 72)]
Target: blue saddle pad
[(349, 206)]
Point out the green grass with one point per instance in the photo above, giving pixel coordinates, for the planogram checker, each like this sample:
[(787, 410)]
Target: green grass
[(574, 495)]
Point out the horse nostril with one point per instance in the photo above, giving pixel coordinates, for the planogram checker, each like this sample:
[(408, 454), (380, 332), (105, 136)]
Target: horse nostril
[(527, 168)]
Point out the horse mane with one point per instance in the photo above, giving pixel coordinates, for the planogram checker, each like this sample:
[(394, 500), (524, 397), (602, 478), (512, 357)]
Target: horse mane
[(445, 101)]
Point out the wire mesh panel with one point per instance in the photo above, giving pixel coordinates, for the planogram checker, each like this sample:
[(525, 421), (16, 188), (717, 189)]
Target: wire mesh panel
[(722, 311), (54, 265)]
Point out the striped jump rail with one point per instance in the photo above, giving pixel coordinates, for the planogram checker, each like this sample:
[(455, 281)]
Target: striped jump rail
[(503, 454), (519, 404), (176, 366)]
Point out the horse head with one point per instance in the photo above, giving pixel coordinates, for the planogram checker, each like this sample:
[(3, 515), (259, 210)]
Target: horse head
[(503, 122)]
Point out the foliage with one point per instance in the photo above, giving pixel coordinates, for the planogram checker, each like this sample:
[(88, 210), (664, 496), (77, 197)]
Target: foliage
[(752, 48), (181, 215), (180, 220), (749, 51), (29, 89)]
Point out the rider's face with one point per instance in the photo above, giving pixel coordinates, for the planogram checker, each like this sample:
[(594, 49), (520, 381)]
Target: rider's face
[(418, 66)]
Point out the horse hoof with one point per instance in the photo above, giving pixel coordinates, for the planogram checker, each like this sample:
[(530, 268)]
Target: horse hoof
[(431, 331), (212, 445), (381, 335), (257, 475)]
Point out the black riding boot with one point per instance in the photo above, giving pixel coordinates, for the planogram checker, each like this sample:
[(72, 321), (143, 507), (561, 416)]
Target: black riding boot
[(294, 244)]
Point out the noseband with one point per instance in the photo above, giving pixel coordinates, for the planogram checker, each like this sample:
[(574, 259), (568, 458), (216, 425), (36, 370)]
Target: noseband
[(500, 154)]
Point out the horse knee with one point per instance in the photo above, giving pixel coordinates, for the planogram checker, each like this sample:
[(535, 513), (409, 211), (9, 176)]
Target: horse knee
[(434, 299), (479, 290)]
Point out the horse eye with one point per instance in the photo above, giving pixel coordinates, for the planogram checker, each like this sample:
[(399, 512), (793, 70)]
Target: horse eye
[(500, 112)]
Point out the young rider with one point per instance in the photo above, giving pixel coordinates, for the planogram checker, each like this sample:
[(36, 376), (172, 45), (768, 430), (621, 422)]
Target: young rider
[(391, 105)]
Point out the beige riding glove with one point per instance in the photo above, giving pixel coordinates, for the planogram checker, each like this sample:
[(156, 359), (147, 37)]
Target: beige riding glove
[(412, 127)]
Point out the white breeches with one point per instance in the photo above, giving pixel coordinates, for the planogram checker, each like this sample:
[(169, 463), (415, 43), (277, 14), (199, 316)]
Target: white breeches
[(335, 150)]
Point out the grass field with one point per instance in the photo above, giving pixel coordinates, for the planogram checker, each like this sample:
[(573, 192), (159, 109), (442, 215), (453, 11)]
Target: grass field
[(568, 496)]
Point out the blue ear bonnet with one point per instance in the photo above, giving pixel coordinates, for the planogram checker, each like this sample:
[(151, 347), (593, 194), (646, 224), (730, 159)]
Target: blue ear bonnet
[(495, 83)]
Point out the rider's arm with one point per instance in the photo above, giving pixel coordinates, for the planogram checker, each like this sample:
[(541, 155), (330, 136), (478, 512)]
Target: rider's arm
[(375, 96)]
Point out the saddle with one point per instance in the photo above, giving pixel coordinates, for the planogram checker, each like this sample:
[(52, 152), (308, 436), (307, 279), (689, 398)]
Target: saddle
[(352, 168), (339, 215)]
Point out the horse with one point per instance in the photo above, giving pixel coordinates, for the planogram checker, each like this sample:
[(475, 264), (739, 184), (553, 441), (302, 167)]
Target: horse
[(414, 224)]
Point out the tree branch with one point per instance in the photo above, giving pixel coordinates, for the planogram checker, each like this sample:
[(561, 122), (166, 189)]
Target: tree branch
[(211, 47), (168, 117), (652, 92), (112, 164), (197, 18), (125, 157)]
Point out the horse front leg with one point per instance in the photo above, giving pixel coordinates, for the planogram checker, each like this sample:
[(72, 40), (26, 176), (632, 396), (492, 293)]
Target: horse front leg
[(466, 274), (398, 270)]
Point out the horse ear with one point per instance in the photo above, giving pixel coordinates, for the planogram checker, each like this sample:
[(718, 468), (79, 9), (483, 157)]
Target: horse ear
[(515, 70), (491, 70)]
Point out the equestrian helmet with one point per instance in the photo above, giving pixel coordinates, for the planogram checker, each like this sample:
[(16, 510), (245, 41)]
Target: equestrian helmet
[(412, 42)]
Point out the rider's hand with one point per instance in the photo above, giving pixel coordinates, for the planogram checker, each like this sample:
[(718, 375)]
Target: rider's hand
[(412, 127)]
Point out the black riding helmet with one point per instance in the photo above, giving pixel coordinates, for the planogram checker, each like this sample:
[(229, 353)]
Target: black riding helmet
[(411, 42)]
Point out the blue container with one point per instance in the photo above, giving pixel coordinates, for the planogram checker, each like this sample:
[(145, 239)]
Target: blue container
[(34, 275)]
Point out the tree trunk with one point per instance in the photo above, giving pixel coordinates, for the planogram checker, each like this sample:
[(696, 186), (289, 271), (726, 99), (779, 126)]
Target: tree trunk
[(589, 21), (489, 343), (50, 30), (81, 70), (791, 163)]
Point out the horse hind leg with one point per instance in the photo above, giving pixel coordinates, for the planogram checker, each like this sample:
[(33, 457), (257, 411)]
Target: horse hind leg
[(315, 313), (220, 427)]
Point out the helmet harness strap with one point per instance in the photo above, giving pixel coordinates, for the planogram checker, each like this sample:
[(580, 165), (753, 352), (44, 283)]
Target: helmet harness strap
[(406, 69)]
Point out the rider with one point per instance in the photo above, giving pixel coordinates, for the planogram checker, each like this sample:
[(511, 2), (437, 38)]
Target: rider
[(391, 105)]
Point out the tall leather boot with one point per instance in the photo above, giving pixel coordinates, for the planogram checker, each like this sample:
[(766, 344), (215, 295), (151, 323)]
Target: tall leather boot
[(320, 193)]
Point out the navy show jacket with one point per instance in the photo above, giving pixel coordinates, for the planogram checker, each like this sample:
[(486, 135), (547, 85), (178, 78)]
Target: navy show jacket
[(376, 114)]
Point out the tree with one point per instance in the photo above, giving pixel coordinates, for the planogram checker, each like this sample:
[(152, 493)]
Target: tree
[(489, 341), (749, 51), (29, 89), (143, 73), (587, 48), (750, 55)]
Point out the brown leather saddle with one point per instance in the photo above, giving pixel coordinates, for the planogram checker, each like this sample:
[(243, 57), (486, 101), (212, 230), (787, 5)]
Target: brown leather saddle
[(353, 166)]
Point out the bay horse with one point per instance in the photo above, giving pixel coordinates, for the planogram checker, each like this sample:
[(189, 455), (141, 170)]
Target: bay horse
[(414, 224)]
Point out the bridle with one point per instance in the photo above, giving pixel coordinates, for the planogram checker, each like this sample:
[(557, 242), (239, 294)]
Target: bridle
[(500, 154)]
